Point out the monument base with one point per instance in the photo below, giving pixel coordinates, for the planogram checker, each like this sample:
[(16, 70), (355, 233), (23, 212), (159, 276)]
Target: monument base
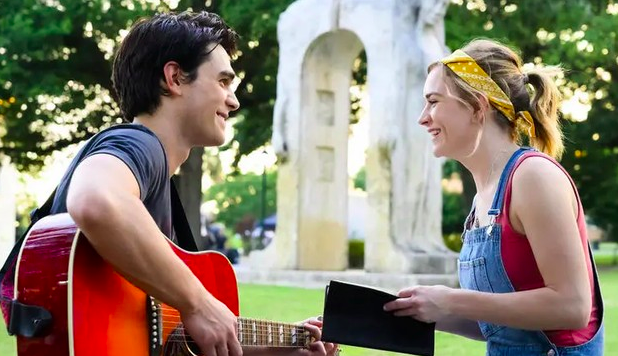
[(391, 282), (432, 263)]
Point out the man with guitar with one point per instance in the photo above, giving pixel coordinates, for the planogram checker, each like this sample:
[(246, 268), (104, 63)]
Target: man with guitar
[(174, 82)]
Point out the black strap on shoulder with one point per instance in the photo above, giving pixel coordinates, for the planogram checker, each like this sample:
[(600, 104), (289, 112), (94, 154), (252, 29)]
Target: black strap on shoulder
[(35, 215), (180, 223), (26, 320), (34, 321)]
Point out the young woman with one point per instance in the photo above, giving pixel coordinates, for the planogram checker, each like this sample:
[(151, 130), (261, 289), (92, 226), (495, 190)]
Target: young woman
[(529, 285)]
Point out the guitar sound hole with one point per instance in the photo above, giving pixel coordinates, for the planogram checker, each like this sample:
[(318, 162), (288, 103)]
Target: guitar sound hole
[(179, 344), (191, 345)]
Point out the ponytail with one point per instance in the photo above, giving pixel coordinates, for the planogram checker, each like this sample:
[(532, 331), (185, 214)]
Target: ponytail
[(544, 109)]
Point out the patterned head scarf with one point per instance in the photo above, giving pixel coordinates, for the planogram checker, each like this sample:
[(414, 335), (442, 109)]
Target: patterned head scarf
[(467, 69)]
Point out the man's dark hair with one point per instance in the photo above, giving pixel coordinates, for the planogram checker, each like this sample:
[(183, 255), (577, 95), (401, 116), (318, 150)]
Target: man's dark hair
[(187, 38)]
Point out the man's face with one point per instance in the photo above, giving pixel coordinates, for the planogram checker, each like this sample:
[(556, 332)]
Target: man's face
[(209, 100)]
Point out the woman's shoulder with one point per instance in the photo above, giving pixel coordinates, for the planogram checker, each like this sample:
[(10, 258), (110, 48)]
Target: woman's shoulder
[(539, 175)]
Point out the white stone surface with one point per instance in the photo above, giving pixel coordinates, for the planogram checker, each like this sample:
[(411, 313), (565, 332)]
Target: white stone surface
[(319, 39), (357, 214)]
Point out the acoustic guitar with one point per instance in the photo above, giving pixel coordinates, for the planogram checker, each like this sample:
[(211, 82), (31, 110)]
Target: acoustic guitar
[(96, 312)]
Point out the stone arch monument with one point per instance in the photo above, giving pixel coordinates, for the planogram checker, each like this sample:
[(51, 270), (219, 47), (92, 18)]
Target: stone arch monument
[(319, 40)]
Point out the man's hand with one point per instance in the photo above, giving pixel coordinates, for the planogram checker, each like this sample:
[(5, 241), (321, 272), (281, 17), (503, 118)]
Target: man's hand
[(317, 347), (213, 327)]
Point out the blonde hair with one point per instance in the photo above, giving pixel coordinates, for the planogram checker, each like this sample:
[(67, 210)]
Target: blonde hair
[(504, 66)]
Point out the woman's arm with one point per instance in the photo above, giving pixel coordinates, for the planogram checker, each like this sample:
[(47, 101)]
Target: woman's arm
[(543, 207), (462, 327)]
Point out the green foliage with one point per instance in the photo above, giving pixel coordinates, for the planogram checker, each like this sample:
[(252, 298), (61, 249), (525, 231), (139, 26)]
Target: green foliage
[(240, 196), (256, 22), (356, 253), (360, 179), (453, 213), (455, 207), (453, 241), (59, 75), (580, 35), (55, 69), (55, 81)]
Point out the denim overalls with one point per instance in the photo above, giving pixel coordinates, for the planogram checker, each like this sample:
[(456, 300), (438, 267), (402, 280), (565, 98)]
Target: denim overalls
[(481, 269)]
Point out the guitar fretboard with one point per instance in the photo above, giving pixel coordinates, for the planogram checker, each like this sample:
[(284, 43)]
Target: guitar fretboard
[(254, 332)]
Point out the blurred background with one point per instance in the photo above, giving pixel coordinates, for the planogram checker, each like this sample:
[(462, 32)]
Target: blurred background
[(55, 92)]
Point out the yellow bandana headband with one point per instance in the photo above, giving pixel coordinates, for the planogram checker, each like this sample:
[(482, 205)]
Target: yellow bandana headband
[(467, 69)]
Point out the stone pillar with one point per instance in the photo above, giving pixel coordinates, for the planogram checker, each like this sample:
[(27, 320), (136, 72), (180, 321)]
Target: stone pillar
[(319, 39)]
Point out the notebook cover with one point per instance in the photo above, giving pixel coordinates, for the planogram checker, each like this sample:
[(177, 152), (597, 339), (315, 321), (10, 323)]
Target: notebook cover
[(354, 315)]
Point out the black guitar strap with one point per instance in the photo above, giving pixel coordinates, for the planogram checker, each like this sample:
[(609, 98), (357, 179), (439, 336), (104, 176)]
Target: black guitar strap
[(33, 321), (185, 238), (24, 320)]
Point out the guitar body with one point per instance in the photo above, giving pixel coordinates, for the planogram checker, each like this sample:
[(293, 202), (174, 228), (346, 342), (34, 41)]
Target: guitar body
[(96, 312)]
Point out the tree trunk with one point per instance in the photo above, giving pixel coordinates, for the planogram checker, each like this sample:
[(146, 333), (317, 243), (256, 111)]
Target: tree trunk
[(189, 184)]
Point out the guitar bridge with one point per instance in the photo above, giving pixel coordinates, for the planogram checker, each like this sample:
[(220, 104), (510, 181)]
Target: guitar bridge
[(155, 326)]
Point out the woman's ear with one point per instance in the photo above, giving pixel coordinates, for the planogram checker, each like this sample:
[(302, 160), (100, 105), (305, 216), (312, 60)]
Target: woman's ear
[(483, 109)]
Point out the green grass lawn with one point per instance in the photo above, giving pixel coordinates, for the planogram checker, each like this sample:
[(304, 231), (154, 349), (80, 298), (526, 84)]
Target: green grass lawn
[(293, 304)]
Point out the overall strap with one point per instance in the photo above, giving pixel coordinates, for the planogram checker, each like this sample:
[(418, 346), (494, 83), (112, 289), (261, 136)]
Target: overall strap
[(498, 201)]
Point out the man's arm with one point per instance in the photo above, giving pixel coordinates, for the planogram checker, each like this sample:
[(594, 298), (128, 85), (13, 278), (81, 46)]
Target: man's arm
[(104, 201)]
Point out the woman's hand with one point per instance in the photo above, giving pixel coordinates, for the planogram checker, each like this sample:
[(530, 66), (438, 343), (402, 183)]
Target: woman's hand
[(425, 303)]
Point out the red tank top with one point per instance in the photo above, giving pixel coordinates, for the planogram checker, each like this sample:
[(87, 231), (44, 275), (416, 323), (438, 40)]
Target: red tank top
[(523, 271)]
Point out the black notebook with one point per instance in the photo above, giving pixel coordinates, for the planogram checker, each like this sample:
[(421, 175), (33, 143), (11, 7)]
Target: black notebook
[(354, 315)]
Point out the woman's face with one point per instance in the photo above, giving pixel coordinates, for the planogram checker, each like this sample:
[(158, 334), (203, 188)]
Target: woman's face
[(453, 127)]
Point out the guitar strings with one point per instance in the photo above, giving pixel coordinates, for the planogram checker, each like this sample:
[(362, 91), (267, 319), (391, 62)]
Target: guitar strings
[(260, 332), (302, 338), (261, 336)]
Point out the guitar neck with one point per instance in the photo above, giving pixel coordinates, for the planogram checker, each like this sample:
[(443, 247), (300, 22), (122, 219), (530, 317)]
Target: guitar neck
[(254, 332)]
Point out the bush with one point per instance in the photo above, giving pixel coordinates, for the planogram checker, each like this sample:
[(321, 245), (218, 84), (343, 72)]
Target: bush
[(239, 198), (454, 213), (453, 241), (360, 180), (356, 253)]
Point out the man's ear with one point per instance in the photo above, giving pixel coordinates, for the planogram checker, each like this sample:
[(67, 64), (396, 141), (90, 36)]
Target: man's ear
[(172, 78)]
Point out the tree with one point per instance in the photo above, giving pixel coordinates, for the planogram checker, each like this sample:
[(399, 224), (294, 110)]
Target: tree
[(581, 35), (55, 86), (240, 196), (256, 22), (56, 79)]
